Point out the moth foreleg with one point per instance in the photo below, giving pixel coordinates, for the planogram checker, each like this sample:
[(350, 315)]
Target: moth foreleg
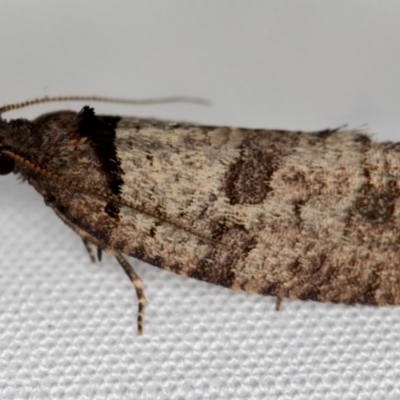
[(138, 286), (120, 258), (89, 249)]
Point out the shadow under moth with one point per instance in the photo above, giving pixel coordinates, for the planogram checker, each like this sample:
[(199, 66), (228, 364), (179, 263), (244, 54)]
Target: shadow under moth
[(300, 215)]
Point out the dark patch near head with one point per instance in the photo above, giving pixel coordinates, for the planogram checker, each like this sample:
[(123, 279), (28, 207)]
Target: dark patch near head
[(101, 133), (7, 164)]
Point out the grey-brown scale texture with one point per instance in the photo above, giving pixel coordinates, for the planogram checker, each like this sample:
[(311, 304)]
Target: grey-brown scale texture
[(292, 214)]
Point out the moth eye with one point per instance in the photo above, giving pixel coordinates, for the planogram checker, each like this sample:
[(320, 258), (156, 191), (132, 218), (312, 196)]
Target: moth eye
[(6, 165)]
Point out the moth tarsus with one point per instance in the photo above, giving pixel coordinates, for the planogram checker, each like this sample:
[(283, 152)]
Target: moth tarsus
[(301, 215), (278, 303), (139, 289)]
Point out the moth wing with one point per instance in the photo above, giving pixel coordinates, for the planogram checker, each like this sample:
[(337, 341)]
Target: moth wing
[(179, 204), (264, 211)]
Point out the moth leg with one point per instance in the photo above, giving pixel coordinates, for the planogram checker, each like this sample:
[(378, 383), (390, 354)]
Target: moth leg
[(278, 303), (138, 286), (89, 249), (99, 253)]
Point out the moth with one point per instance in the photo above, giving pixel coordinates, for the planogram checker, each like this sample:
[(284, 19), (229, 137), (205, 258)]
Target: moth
[(300, 215)]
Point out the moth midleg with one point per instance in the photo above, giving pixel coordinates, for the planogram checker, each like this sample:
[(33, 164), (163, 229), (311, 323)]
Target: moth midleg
[(89, 249), (120, 258), (278, 303), (137, 282)]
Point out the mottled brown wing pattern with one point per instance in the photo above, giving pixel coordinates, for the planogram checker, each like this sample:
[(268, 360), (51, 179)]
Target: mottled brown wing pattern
[(300, 215), (291, 214), (314, 228)]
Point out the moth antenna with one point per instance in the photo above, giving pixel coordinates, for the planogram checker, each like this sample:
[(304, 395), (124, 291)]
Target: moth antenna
[(156, 100)]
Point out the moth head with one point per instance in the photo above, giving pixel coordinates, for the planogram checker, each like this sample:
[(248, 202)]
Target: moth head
[(7, 164)]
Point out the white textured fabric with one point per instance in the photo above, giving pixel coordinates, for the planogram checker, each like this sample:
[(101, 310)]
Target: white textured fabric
[(67, 327)]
